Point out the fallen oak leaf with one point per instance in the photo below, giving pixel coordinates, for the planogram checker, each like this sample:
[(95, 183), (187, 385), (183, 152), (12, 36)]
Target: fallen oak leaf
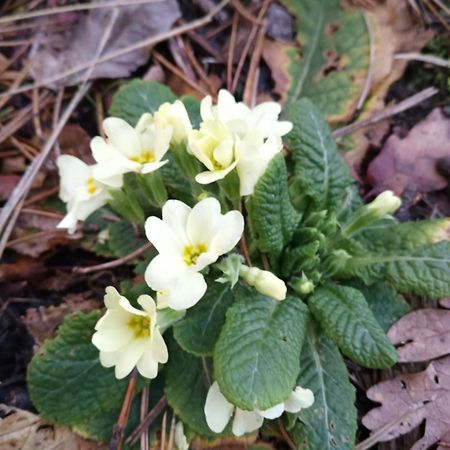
[(26, 431), (53, 53), (409, 399), (411, 161), (422, 335)]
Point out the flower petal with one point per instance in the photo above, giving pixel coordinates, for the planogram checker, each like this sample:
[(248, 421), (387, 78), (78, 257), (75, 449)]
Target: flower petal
[(162, 236), (186, 291), (122, 136), (218, 409), (246, 422), (148, 305), (112, 339), (157, 347), (299, 399), (152, 167), (208, 177), (274, 412), (175, 214), (111, 297), (231, 227), (162, 271), (147, 366), (126, 306), (203, 221), (129, 356)]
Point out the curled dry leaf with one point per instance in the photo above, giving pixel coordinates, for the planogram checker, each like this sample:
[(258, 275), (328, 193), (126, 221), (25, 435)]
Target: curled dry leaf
[(422, 335), (411, 161), (408, 400), (43, 322), (26, 431), (24, 269), (54, 53)]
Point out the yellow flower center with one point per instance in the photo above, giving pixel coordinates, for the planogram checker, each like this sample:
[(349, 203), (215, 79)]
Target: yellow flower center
[(192, 252), (145, 157), (140, 326), (91, 187)]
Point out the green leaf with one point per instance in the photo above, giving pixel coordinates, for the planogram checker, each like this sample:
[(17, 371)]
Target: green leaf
[(187, 384), (137, 97), (348, 321), (330, 423), (424, 270), (386, 304), (66, 382), (389, 236), (319, 169), (272, 214), (335, 56), (198, 332), (192, 106), (256, 359), (123, 239)]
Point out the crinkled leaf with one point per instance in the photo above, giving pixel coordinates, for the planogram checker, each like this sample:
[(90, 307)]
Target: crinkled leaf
[(137, 97), (330, 423), (122, 239), (409, 399), (422, 335), (256, 359), (335, 56), (348, 321), (390, 236), (187, 383), (386, 304), (319, 169), (423, 270), (66, 382), (198, 332), (272, 214)]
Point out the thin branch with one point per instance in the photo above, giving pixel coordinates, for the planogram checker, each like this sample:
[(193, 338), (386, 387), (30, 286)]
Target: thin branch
[(163, 431), (424, 58), (116, 442), (73, 8), (386, 113), (123, 51), (170, 444), (149, 418), (286, 436), (143, 412), (115, 263)]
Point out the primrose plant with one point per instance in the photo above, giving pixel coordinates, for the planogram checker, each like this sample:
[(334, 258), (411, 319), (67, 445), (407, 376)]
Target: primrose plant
[(264, 273)]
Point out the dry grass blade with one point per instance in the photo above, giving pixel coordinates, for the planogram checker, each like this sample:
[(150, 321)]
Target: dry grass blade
[(430, 59)]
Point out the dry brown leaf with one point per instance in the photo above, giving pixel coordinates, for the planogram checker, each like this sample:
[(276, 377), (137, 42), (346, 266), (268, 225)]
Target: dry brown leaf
[(26, 431), (43, 322), (422, 335), (411, 161), (7, 185), (394, 30), (53, 53), (23, 269), (445, 302), (231, 443), (409, 399)]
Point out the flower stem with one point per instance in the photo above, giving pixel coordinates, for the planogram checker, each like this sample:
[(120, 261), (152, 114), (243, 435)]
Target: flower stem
[(118, 431)]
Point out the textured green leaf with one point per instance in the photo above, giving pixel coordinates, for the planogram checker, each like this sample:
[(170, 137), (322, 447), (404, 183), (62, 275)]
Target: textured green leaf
[(187, 383), (389, 236), (335, 56), (192, 106), (137, 97), (256, 359), (123, 239), (198, 332), (330, 423), (66, 382), (424, 270), (272, 214), (348, 321), (319, 169), (386, 304)]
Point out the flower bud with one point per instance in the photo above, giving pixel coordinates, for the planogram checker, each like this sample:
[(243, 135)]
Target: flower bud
[(175, 115), (386, 203), (264, 281)]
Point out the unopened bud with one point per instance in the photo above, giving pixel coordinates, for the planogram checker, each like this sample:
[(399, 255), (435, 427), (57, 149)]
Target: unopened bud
[(386, 203), (264, 281)]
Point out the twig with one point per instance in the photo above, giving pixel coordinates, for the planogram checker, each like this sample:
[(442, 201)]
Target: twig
[(368, 81), (442, 6), (56, 113), (172, 433), (73, 8), (205, 45), (232, 44), (245, 13), (9, 228), (252, 75), (115, 263), (286, 436), (149, 418), (163, 432), (243, 243), (386, 113), (193, 84), (247, 45), (143, 412), (116, 442), (41, 196), (123, 51), (437, 14), (424, 58)]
